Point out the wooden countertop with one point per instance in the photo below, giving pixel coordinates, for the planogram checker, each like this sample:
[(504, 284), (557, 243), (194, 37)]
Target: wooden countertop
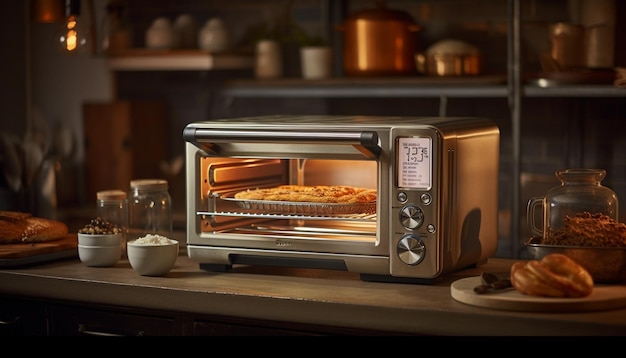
[(306, 296)]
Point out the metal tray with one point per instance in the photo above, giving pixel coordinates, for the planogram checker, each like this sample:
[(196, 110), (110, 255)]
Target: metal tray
[(308, 208), (37, 259)]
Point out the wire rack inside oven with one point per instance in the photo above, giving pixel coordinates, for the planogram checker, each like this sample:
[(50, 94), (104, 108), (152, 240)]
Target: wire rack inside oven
[(293, 210)]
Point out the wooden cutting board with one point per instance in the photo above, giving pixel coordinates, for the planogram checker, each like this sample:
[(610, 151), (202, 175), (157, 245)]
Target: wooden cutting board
[(18, 254), (603, 297)]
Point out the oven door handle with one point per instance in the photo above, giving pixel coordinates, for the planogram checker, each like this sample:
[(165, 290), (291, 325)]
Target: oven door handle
[(366, 142)]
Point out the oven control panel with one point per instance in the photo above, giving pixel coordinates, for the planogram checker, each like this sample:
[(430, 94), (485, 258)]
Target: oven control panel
[(414, 163), (413, 246)]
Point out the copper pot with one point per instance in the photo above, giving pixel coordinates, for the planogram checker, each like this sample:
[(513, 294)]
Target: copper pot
[(450, 58), (568, 45), (379, 42)]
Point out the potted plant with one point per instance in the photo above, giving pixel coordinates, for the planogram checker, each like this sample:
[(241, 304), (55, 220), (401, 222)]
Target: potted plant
[(316, 58), (294, 45)]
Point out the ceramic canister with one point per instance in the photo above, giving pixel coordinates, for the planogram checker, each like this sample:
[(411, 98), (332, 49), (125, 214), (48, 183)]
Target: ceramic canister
[(268, 59)]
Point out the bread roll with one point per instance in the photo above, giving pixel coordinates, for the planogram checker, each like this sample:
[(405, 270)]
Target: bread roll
[(18, 227), (555, 275)]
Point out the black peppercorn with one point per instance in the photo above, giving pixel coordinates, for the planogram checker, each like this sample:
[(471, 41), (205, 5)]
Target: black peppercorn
[(98, 226)]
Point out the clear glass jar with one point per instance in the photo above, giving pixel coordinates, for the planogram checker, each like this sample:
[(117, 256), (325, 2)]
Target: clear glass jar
[(112, 206), (150, 208), (580, 191), (116, 29)]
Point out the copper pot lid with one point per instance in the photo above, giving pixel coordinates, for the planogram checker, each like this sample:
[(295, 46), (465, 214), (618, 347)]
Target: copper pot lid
[(452, 47), (381, 13)]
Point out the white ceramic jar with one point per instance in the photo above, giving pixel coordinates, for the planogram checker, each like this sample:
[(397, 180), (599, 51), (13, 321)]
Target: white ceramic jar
[(214, 36), (161, 34), (316, 62), (186, 29), (268, 62)]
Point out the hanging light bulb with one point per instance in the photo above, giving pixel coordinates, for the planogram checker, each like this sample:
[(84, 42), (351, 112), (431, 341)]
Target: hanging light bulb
[(74, 34)]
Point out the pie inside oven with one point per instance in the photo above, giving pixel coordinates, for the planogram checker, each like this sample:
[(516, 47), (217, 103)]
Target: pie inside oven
[(298, 207)]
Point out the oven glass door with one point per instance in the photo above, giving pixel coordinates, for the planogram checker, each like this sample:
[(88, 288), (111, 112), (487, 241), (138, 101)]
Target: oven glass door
[(225, 218)]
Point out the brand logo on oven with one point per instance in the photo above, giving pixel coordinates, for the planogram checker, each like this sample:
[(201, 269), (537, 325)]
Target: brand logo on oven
[(281, 243)]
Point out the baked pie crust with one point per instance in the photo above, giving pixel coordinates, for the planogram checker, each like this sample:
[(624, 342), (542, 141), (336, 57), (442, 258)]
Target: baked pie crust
[(340, 194)]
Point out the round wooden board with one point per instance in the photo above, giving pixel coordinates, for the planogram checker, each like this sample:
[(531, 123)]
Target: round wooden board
[(603, 297)]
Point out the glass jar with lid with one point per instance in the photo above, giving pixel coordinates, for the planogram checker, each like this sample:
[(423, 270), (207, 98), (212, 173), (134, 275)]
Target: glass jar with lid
[(112, 206), (580, 191), (150, 208), (116, 29)]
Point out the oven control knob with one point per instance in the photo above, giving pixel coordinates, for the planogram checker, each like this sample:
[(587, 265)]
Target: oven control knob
[(411, 217), (411, 250)]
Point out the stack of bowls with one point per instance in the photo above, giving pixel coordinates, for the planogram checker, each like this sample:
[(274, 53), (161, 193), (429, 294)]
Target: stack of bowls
[(100, 250)]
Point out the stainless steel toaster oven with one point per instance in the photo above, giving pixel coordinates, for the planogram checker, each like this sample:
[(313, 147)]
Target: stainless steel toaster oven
[(436, 182)]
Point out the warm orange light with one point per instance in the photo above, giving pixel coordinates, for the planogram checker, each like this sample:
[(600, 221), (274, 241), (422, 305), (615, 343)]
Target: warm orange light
[(71, 42), (47, 11), (74, 36), (71, 38)]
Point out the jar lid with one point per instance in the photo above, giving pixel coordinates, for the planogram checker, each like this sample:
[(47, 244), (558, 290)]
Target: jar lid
[(452, 47), (148, 184), (381, 14), (111, 195)]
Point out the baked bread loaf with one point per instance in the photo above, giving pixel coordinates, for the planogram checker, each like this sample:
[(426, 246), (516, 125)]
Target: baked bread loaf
[(311, 194), (18, 227), (586, 229), (556, 275)]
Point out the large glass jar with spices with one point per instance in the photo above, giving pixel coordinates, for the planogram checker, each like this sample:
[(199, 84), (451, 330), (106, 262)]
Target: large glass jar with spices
[(150, 208), (580, 192), (112, 206)]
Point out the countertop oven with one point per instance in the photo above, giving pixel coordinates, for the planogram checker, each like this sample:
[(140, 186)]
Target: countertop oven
[(436, 181)]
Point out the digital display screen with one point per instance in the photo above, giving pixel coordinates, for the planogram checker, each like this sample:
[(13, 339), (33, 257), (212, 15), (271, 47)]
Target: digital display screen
[(414, 162)]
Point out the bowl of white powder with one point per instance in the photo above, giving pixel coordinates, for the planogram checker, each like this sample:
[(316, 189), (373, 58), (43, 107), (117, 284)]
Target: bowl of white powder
[(152, 255)]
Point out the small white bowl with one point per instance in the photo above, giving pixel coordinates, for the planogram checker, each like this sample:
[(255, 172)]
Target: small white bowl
[(152, 260), (100, 239), (99, 256)]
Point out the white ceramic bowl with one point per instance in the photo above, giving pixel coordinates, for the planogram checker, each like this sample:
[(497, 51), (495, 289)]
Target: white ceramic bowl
[(152, 260), (99, 256), (100, 239)]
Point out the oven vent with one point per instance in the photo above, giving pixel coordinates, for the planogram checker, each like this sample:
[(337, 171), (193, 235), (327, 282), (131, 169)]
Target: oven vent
[(288, 262)]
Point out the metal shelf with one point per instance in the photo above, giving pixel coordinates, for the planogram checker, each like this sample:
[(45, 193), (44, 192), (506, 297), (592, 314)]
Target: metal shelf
[(578, 90), (405, 88), (401, 87)]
